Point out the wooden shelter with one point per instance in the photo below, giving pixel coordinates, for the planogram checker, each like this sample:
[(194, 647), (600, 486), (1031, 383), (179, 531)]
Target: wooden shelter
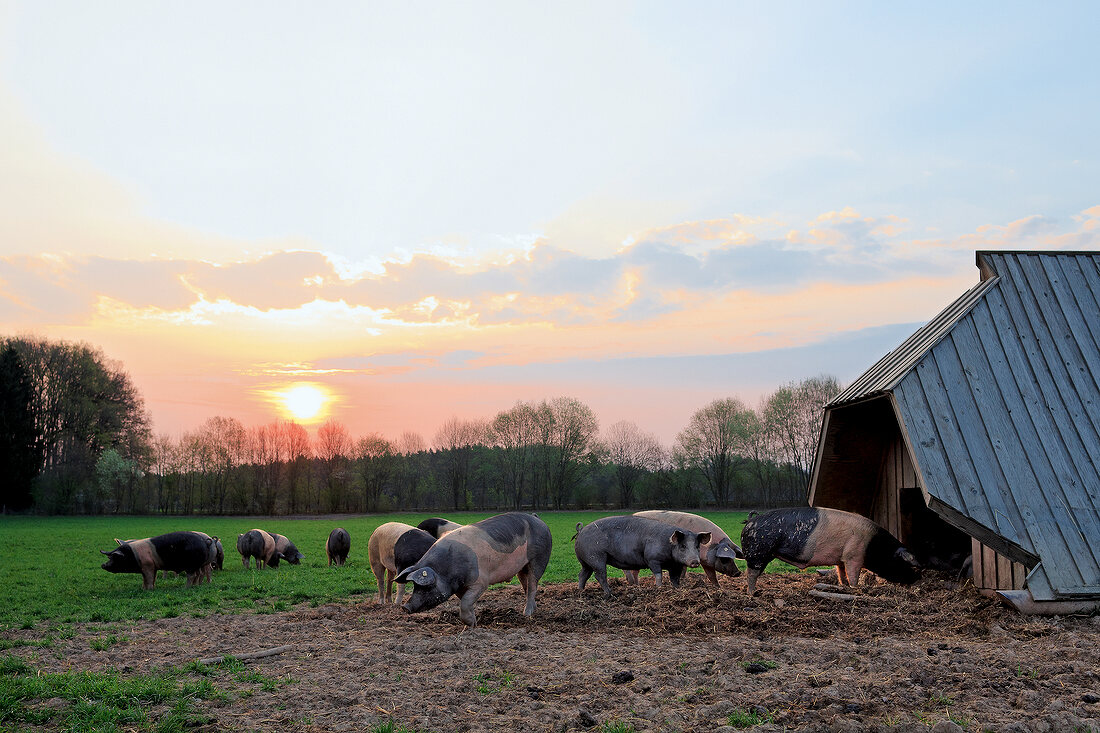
[(979, 436)]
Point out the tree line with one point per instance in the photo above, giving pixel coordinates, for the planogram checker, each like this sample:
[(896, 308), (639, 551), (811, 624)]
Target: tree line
[(75, 438)]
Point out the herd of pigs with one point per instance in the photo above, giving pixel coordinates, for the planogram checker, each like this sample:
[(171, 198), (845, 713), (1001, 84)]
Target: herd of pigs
[(443, 559)]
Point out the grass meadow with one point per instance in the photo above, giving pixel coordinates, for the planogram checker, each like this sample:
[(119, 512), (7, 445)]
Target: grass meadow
[(50, 579), (50, 573)]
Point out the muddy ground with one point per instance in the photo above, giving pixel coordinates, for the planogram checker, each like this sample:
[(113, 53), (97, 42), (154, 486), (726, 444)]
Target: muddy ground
[(929, 656)]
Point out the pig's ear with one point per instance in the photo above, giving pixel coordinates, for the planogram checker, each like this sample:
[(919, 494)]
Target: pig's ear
[(676, 537), (105, 552), (727, 552), (423, 576), (704, 538), (119, 542), (906, 556)]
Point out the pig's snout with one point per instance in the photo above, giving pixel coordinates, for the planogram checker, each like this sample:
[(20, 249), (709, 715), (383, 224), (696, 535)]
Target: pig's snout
[(694, 563), (405, 608)]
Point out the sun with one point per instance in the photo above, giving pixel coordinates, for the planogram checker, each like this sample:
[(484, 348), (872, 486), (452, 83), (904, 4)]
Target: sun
[(303, 401)]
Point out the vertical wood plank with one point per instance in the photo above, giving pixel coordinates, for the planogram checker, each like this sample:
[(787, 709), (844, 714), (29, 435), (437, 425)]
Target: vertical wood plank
[(979, 564), (1004, 573), (1019, 572)]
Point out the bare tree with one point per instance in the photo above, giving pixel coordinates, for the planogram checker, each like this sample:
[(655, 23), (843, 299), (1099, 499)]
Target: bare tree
[(457, 438), (264, 457), (715, 443), (573, 438), (794, 412), (375, 459), (514, 432), (166, 467), (294, 452), (226, 441), (333, 449), (411, 447), (634, 453)]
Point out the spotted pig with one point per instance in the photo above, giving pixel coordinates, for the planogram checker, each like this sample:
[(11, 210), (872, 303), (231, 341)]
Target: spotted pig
[(806, 536)]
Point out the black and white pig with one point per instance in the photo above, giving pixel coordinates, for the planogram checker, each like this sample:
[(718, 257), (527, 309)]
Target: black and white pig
[(805, 536), (467, 560), (338, 546), (256, 543), (217, 555), (285, 550), (182, 552), (634, 543), (716, 556), (437, 526), (392, 547)]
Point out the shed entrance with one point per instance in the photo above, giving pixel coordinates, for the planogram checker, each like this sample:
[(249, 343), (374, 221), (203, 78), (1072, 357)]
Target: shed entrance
[(867, 468)]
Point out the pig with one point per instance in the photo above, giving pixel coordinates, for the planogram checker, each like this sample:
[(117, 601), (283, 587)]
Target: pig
[(633, 543), (285, 550), (392, 547), (219, 554), (469, 559), (216, 557), (715, 556), (256, 543), (805, 536), (214, 547), (185, 552), (437, 527), (338, 546)]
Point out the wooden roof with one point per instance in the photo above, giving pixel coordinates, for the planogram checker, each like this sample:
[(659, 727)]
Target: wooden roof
[(998, 399)]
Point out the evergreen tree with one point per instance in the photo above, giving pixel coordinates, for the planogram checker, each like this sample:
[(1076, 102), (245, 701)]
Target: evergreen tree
[(20, 455)]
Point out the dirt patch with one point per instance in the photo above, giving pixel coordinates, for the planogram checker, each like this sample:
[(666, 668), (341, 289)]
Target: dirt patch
[(663, 660)]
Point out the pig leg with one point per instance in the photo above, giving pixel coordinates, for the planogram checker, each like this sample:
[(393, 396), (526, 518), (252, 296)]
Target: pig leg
[(466, 605), (583, 576), (631, 576), (852, 570), (841, 575), (752, 574), (530, 585), (148, 578), (655, 568), (387, 581), (601, 578), (676, 575), (400, 593), (709, 572)]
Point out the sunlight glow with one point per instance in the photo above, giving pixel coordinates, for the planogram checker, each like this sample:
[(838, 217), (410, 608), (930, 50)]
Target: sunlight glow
[(303, 401)]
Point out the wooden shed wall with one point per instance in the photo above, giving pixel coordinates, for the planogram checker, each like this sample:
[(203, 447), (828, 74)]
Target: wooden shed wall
[(895, 475), (995, 572)]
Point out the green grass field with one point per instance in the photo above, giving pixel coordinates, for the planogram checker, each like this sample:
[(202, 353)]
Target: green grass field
[(50, 571)]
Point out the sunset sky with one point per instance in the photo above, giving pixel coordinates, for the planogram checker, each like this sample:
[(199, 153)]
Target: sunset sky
[(420, 211)]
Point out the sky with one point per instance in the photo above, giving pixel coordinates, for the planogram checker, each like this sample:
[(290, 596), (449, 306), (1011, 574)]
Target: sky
[(437, 210)]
